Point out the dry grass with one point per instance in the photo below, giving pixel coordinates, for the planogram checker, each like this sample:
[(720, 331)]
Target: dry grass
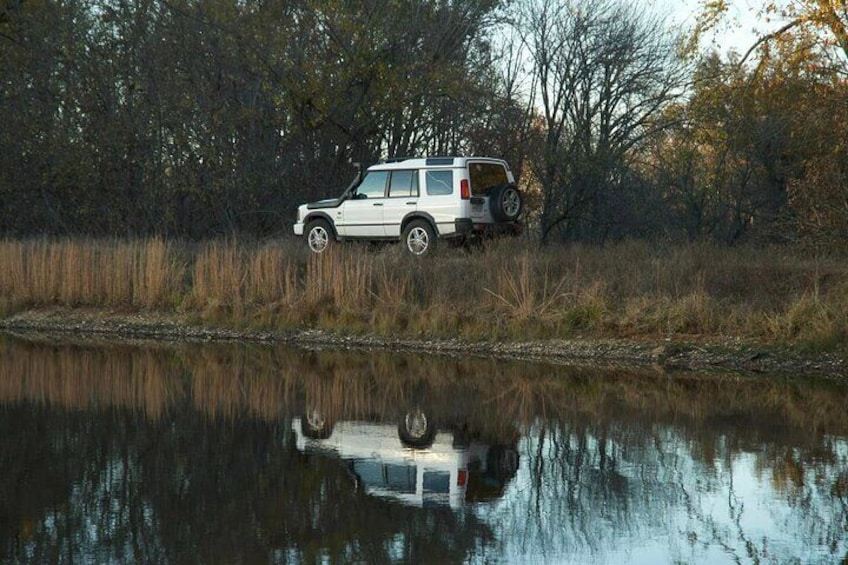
[(511, 289), (108, 273)]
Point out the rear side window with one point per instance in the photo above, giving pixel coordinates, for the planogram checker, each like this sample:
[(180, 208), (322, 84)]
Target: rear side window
[(437, 481), (486, 176), (403, 184), (439, 182)]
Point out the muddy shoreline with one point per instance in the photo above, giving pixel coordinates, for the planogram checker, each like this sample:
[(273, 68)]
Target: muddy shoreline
[(679, 354)]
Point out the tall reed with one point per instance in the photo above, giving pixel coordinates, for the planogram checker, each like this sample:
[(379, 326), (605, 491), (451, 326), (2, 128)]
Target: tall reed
[(510, 289), (113, 273)]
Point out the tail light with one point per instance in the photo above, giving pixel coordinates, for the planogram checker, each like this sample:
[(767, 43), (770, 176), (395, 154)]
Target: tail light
[(462, 478), (464, 189)]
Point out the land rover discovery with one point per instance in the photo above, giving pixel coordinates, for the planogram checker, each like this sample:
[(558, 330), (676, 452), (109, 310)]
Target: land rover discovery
[(417, 201)]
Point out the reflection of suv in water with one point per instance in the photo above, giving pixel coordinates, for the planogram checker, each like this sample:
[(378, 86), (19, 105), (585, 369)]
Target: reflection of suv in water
[(411, 463), (417, 201)]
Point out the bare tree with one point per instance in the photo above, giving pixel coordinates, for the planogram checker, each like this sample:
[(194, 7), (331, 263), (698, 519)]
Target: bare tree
[(196, 118), (604, 70)]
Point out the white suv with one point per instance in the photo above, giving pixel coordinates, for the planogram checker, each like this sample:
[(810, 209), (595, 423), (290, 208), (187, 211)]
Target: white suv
[(417, 201), (436, 471)]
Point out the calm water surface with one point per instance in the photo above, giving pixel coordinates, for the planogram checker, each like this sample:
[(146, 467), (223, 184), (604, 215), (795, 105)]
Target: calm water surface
[(239, 454)]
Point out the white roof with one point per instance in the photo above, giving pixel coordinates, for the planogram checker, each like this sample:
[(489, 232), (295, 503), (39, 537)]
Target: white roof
[(430, 162)]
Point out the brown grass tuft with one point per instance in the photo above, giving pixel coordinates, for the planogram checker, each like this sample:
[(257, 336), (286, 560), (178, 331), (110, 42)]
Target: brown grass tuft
[(510, 289)]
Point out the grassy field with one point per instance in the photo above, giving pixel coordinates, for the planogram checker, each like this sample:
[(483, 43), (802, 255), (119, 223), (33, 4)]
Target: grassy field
[(508, 290)]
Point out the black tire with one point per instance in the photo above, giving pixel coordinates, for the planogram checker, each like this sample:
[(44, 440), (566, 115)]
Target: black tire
[(319, 235), (416, 429), (502, 462), (419, 238), (505, 203), (314, 426)]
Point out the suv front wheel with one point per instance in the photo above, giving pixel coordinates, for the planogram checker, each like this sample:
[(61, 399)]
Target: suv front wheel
[(319, 236), (419, 237)]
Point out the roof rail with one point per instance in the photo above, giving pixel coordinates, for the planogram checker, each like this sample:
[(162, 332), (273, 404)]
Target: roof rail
[(432, 161)]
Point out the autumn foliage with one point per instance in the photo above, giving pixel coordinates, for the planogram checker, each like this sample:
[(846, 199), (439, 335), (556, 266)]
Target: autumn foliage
[(206, 119)]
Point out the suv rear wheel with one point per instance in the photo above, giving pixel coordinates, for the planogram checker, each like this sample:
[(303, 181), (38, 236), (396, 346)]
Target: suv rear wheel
[(419, 237)]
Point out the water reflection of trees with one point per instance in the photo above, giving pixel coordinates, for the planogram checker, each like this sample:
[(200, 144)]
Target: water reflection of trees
[(231, 381), (112, 487), (589, 489), (184, 450)]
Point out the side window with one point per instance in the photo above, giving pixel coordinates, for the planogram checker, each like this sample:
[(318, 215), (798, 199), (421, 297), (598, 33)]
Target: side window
[(403, 184), (439, 182), (373, 185)]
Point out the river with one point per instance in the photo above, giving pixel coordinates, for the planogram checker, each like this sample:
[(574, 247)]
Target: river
[(172, 453)]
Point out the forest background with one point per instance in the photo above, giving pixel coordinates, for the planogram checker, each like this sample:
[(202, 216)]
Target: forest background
[(194, 119)]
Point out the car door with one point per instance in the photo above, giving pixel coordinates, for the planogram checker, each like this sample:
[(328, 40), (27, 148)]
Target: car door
[(441, 200), (402, 199), (362, 214)]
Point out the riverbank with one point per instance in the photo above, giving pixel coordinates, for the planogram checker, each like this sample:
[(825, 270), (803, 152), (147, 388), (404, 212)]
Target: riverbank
[(667, 355), (692, 306)]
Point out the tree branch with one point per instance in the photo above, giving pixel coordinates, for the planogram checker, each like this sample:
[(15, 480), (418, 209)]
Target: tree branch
[(769, 37)]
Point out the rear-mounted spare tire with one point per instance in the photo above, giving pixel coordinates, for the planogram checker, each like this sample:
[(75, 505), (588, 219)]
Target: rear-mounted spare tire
[(505, 203), (416, 429), (314, 425)]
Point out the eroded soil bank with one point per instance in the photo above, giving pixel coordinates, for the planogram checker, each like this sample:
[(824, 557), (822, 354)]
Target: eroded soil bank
[(678, 354)]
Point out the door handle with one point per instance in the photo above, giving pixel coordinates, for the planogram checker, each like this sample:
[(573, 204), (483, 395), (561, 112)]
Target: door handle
[(411, 203), (378, 204)]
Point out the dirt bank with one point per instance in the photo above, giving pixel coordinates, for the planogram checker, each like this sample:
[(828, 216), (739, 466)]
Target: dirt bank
[(679, 354)]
